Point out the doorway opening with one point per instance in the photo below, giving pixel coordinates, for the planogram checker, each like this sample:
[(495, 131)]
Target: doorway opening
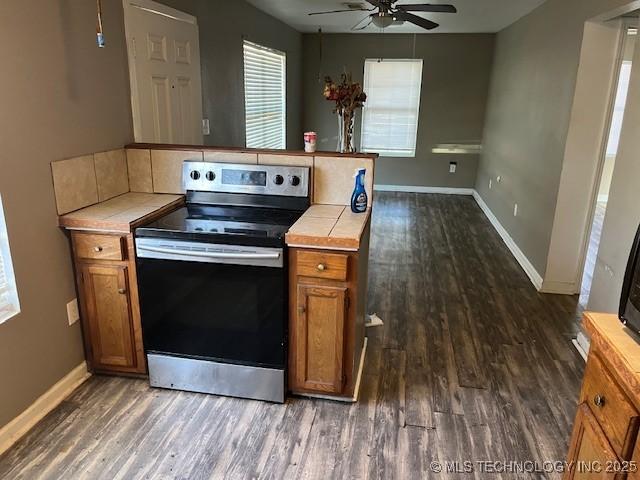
[(616, 118)]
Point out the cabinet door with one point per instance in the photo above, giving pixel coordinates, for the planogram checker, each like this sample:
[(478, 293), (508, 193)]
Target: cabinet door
[(590, 454), (634, 466), (109, 320), (319, 338)]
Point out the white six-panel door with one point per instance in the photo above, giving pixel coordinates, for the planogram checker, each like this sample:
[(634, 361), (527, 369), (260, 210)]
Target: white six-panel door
[(164, 66)]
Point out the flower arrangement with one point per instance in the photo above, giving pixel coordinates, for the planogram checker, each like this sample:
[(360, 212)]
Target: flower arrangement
[(348, 97)]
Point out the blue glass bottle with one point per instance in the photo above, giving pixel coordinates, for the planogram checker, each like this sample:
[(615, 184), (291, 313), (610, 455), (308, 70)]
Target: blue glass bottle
[(359, 198)]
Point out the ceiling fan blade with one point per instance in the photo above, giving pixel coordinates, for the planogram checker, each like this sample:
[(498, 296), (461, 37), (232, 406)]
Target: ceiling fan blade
[(355, 28), (377, 3), (340, 11), (427, 7), (416, 20)]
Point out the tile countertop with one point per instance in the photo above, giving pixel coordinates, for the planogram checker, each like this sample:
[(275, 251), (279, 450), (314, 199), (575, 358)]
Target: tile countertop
[(328, 227), (122, 213)]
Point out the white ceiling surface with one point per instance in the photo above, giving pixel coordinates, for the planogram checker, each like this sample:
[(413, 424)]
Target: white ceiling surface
[(474, 16)]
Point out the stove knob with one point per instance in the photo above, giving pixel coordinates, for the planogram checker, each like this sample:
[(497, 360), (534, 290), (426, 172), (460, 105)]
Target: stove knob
[(278, 179), (210, 176), (294, 180), (195, 174)]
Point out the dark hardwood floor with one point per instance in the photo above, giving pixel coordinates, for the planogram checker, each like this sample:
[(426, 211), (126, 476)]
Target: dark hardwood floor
[(472, 364)]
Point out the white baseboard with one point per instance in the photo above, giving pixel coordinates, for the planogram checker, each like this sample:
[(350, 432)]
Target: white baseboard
[(582, 344), (560, 288), (522, 259), (16, 428), (420, 189)]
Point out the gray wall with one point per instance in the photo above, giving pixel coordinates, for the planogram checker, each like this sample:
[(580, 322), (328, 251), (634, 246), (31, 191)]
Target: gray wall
[(455, 84), (61, 96), (532, 88), (221, 57)]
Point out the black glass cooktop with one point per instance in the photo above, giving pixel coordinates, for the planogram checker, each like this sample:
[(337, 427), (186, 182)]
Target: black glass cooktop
[(224, 224)]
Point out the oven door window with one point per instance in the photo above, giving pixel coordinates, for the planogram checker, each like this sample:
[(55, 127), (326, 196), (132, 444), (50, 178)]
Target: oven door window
[(227, 313)]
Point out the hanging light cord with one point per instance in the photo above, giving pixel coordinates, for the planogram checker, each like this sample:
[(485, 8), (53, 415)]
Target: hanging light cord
[(99, 31)]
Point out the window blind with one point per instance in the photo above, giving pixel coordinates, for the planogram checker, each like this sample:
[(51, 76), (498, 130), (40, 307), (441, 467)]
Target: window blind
[(390, 114), (264, 96), (9, 305)]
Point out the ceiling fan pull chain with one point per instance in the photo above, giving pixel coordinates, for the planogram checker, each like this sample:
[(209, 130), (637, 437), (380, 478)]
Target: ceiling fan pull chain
[(413, 54)]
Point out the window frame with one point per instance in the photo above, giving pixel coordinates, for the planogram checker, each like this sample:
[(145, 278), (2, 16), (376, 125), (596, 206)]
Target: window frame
[(12, 307), (283, 55), (390, 152)]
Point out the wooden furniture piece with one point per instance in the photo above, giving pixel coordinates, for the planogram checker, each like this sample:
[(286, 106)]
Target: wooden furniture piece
[(327, 306), (108, 299), (105, 265), (605, 443)]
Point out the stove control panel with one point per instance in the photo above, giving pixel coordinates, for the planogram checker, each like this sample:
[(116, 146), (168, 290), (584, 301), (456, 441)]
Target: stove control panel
[(243, 178)]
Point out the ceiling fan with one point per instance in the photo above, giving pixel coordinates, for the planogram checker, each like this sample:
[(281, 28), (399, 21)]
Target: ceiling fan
[(389, 13)]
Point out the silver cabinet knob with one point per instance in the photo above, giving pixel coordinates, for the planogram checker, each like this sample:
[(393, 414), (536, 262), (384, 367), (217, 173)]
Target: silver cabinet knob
[(98, 249), (322, 267), (122, 291), (598, 400)]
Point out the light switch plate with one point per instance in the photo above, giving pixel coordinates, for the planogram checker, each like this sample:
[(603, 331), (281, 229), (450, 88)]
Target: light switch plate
[(73, 314), (452, 167), (206, 126), (515, 210)]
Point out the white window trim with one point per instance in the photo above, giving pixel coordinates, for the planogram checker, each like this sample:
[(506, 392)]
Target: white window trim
[(392, 153), (284, 87), (12, 308)]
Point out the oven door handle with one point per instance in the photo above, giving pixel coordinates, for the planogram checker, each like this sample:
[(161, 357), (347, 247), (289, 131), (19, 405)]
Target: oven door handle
[(187, 253)]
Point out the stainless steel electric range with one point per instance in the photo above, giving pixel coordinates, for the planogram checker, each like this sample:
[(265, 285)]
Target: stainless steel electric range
[(213, 281)]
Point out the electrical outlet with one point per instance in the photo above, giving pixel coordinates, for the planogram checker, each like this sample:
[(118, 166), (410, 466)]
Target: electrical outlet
[(73, 314), (499, 178), (515, 210), (452, 167), (490, 184), (206, 126)]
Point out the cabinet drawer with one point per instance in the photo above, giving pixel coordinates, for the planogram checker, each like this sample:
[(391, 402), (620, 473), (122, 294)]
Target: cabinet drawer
[(98, 247), (332, 266), (614, 411)]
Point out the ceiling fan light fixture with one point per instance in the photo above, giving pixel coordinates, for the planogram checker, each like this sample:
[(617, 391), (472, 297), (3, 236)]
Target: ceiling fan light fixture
[(383, 20)]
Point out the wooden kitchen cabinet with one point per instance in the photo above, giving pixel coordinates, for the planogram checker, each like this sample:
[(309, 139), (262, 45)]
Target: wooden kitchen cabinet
[(319, 337), (327, 296), (108, 299), (591, 455), (604, 443), (108, 307)]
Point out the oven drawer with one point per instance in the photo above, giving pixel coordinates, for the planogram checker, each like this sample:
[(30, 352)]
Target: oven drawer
[(331, 266), (614, 411), (98, 247)]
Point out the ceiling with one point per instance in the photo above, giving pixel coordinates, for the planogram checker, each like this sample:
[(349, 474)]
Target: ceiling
[(474, 16)]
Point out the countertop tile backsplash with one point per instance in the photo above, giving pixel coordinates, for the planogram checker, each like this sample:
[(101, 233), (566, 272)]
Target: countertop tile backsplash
[(83, 181)]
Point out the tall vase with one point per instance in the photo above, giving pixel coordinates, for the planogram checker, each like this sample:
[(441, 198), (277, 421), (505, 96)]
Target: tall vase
[(346, 120)]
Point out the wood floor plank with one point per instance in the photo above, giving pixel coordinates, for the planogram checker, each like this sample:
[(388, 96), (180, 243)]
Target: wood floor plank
[(390, 408), (471, 364), (287, 451)]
